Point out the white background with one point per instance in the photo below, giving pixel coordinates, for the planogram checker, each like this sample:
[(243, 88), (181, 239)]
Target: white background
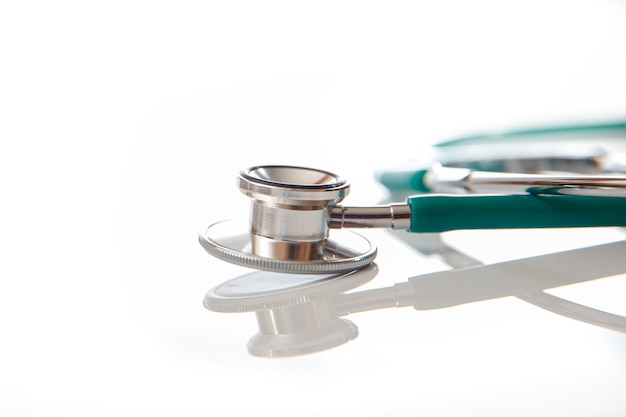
[(123, 125)]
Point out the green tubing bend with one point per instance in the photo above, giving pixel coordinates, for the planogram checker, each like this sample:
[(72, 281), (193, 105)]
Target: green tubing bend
[(439, 213)]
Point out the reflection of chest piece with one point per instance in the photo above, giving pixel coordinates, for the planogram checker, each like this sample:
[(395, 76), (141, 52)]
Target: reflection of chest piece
[(289, 224), (296, 314)]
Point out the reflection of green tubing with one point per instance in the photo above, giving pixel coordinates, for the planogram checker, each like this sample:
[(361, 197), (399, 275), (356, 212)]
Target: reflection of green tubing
[(616, 128), (439, 213)]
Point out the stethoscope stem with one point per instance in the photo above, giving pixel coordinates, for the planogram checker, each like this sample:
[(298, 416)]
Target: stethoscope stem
[(392, 216)]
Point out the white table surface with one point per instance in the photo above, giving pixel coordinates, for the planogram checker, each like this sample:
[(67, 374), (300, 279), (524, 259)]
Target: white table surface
[(123, 125)]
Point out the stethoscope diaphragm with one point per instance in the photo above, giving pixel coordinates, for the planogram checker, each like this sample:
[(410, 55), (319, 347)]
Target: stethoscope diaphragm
[(344, 251)]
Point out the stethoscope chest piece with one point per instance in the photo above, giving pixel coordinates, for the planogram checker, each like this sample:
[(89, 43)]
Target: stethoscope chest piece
[(288, 229)]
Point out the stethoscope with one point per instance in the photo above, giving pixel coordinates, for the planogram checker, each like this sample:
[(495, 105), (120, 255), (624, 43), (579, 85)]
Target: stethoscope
[(295, 224), (296, 216)]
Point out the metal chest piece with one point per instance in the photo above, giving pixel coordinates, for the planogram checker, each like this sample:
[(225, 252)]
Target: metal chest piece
[(288, 229)]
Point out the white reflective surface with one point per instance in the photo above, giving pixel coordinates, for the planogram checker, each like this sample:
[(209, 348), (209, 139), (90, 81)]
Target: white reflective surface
[(124, 126)]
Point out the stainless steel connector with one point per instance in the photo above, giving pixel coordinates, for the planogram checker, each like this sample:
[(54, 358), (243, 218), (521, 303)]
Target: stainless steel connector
[(393, 216)]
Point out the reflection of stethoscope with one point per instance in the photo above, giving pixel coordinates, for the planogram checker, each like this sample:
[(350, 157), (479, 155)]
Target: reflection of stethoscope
[(294, 208), (299, 314)]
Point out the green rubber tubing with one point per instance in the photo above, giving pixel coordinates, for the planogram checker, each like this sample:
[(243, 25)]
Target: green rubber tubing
[(440, 213), (404, 180)]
